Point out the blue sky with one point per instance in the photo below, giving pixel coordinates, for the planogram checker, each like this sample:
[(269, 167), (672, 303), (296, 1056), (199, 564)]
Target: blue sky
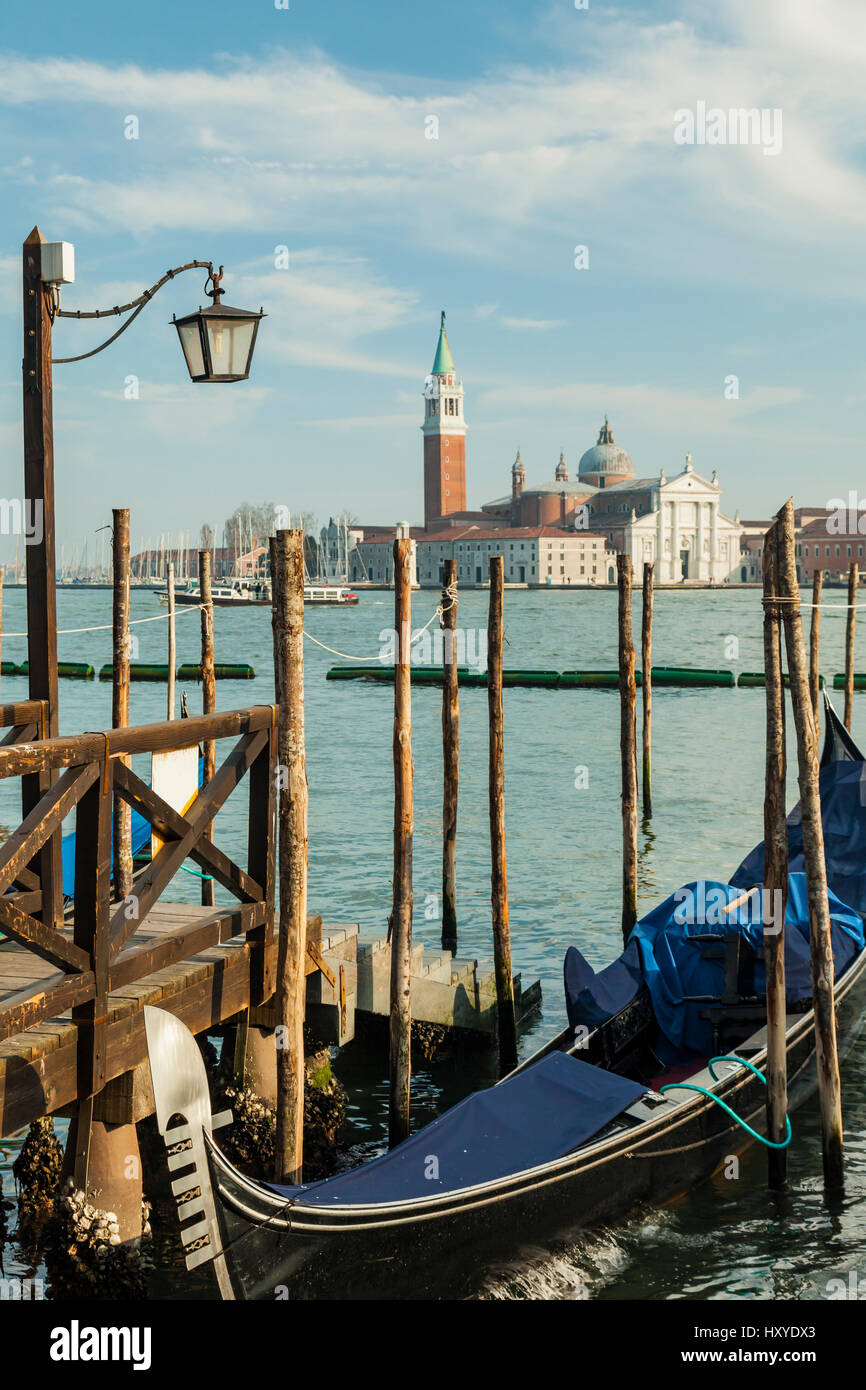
[(305, 128)]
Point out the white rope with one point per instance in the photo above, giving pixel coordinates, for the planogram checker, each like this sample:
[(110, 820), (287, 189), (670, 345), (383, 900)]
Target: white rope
[(107, 627), (839, 607), (439, 611)]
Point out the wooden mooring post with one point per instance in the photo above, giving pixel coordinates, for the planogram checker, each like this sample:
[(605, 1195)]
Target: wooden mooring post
[(646, 688), (172, 641), (815, 645), (813, 853), (120, 692), (775, 865), (450, 756), (208, 687), (627, 744), (41, 557), (287, 574), (400, 921), (850, 630), (507, 1028)]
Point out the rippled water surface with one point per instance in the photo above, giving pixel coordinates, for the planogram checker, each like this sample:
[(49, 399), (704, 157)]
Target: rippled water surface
[(726, 1239)]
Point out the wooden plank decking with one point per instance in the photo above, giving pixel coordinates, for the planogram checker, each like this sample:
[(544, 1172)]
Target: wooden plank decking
[(209, 985)]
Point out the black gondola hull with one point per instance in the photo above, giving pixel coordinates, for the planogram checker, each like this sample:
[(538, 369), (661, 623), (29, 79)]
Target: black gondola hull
[(442, 1247)]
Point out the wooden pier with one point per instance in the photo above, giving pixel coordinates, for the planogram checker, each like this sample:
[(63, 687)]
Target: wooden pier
[(72, 987)]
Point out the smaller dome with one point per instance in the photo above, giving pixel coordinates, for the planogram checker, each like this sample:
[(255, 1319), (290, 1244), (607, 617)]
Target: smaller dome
[(606, 457), (517, 466), (561, 469)]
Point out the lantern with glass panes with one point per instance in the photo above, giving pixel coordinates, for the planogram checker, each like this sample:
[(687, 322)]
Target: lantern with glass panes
[(218, 342)]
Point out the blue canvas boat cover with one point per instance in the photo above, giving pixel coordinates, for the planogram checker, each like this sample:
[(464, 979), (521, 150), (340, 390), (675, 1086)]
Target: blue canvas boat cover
[(843, 814), (661, 953), (538, 1115), (590, 998), (674, 965)]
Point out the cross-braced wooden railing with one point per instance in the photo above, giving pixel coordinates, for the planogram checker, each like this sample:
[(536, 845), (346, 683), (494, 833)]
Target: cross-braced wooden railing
[(24, 721), (99, 954)]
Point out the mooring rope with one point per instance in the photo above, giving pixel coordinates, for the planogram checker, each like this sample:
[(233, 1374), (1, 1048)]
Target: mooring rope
[(439, 612), (839, 607), (107, 627)]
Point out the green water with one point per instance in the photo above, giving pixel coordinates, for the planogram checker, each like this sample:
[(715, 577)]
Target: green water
[(725, 1239)]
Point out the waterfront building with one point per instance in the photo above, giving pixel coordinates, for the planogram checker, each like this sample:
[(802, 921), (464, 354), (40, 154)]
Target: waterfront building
[(371, 561), (830, 541), (823, 540), (676, 523), (538, 556)]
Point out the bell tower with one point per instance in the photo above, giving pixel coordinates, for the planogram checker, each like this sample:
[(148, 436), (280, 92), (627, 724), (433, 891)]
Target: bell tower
[(444, 431)]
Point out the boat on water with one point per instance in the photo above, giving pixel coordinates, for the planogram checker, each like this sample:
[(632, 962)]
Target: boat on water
[(634, 1102), (250, 592)]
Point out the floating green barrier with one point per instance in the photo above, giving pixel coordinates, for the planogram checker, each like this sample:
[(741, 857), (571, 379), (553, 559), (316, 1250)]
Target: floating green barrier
[(592, 680), (223, 671), (757, 678), (10, 668), (138, 671), (685, 675), (359, 673), (563, 680), (421, 675), (859, 680), (75, 670), (548, 679)]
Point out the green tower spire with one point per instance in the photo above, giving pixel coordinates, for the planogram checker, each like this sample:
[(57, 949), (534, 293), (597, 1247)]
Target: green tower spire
[(443, 362)]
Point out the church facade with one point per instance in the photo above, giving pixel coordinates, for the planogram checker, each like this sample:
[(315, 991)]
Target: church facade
[(677, 523)]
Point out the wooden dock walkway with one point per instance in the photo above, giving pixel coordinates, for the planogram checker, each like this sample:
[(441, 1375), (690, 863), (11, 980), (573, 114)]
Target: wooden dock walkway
[(207, 983), (72, 985)]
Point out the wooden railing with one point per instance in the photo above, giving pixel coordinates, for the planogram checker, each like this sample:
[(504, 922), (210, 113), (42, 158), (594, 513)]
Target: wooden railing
[(98, 954), (24, 721)]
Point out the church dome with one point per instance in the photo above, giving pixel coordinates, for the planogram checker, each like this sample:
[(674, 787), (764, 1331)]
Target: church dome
[(606, 457)]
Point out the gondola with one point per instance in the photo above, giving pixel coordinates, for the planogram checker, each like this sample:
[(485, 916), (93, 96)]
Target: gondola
[(577, 1135)]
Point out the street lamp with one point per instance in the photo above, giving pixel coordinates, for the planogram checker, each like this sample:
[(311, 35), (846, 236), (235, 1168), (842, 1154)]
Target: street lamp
[(218, 342), (226, 338)]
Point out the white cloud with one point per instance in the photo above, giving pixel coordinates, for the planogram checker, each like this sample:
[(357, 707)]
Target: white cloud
[(655, 407), (554, 150)]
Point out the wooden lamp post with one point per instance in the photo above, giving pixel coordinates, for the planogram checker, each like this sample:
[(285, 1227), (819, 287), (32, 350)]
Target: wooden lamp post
[(218, 346)]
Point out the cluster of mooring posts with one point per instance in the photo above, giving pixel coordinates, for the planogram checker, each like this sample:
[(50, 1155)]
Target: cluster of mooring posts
[(101, 955), (783, 616), (782, 622)]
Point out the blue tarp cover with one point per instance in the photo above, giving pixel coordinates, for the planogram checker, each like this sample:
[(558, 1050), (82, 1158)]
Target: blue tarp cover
[(660, 953), (140, 830), (843, 814), (539, 1115), (673, 965), (591, 998)]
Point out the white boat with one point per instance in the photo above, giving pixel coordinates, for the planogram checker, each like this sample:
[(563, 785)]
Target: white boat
[(248, 592)]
